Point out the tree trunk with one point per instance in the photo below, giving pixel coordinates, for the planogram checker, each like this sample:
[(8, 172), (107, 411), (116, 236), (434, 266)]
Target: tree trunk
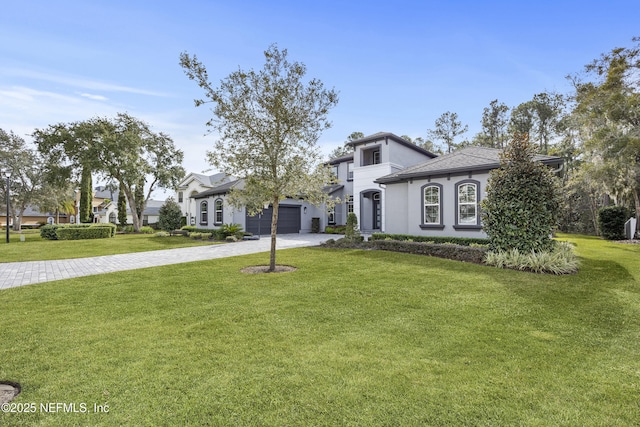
[(133, 207), (274, 230)]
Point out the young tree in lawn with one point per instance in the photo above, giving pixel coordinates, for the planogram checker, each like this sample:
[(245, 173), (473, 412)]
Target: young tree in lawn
[(170, 216), (268, 122)]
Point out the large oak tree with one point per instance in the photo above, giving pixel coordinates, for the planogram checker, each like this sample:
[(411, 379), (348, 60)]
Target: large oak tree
[(124, 149)]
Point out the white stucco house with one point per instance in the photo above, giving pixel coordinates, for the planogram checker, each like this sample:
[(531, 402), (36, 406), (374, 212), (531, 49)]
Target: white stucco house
[(441, 197), (392, 186), (105, 207), (204, 202)]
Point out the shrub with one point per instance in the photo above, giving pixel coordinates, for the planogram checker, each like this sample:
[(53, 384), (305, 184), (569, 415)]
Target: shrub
[(231, 229), (170, 216), (188, 228), (147, 230), (351, 231), (335, 229), (560, 260), (522, 205), (197, 236), (315, 225), (48, 232), (611, 220), (448, 251), (77, 231), (162, 234), (462, 241)]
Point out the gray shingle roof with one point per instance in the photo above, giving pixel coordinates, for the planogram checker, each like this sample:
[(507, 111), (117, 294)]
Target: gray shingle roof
[(461, 161), (330, 189), (388, 135), (340, 159), (221, 189)]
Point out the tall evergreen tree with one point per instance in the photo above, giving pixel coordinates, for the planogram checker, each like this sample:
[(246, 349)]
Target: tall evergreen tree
[(86, 196), (122, 207)]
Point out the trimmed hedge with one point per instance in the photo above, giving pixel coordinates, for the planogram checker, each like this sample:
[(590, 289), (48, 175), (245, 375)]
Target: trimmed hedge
[(611, 220), (335, 229), (462, 241), (77, 231), (448, 251), (474, 254)]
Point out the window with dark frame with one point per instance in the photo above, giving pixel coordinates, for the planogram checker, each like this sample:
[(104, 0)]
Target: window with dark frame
[(203, 213), (218, 212)]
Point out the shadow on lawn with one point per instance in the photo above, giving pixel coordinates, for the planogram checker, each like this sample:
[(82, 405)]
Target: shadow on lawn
[(586, 300)]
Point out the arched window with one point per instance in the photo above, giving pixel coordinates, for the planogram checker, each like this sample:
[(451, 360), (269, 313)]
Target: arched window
[(432, 206), (203, 213), (467, 202), (218, 213)]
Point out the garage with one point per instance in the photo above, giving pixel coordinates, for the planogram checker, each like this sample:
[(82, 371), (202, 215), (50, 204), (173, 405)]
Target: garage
[(288, 220)]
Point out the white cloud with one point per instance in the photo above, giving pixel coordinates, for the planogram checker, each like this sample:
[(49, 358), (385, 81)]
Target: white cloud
[(77, 81), (94, 97)]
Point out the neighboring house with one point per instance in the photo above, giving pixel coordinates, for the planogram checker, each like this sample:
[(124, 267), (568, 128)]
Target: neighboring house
[(32, 216), (392, 186), (441, 197), (104, 205), (105, 208)]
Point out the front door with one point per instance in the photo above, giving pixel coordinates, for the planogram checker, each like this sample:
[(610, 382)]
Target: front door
[(377, 212)]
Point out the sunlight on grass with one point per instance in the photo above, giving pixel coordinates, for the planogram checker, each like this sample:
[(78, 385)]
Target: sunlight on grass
[(351, 337)]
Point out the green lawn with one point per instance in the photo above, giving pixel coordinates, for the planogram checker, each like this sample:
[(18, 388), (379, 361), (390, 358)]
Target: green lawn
[(35, 248), (352, 338)]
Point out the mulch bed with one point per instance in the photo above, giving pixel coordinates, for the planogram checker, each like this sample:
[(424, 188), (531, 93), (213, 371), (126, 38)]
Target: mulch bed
[(257, 269)]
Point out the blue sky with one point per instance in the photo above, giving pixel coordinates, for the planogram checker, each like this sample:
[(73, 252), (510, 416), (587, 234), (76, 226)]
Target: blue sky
[(397, 65)]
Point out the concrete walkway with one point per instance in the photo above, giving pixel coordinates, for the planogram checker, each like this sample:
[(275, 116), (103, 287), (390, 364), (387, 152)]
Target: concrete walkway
[(13, 274)]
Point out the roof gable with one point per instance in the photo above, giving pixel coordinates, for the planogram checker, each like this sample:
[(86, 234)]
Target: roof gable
[(385, 136)]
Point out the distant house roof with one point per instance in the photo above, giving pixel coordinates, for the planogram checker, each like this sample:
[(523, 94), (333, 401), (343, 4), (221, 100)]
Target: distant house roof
[(465, 160), (152, 208), (33, 211), (220, 189), (380, 136), (103, 192)]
